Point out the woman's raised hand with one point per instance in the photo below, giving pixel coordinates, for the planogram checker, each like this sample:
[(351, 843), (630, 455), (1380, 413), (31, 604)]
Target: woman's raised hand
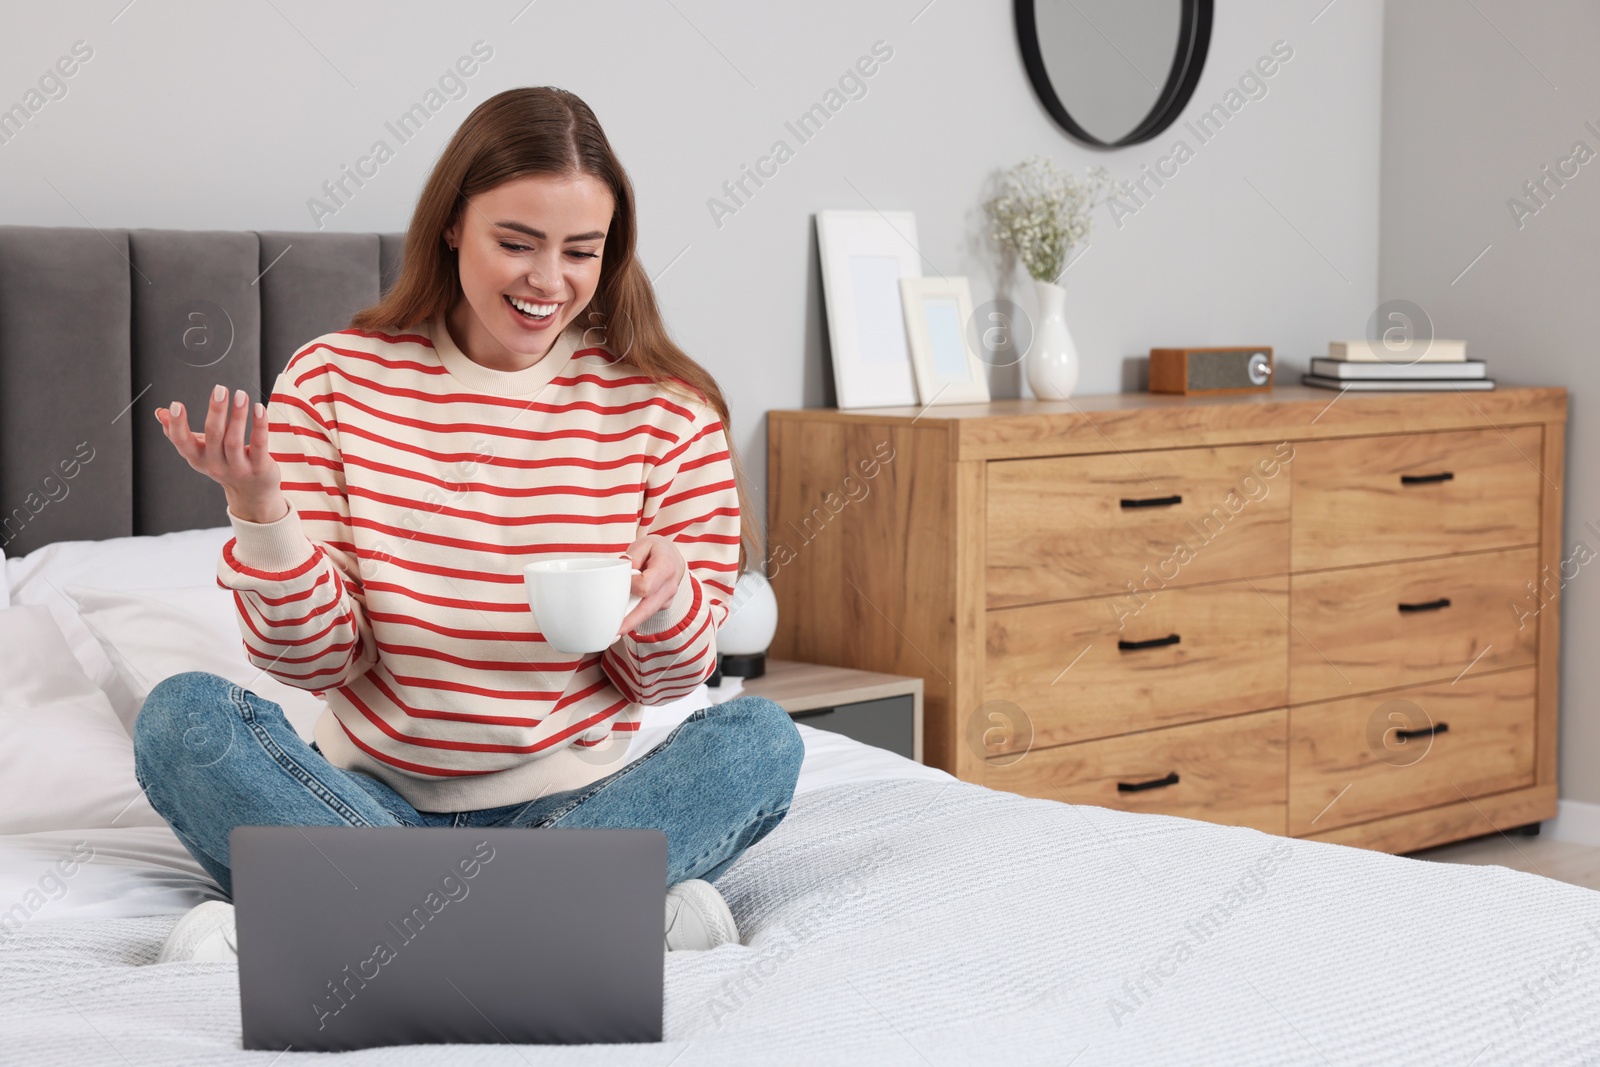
[(244, 468)]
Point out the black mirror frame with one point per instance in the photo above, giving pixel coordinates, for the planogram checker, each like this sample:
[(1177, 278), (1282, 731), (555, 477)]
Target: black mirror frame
[(1189, 59)]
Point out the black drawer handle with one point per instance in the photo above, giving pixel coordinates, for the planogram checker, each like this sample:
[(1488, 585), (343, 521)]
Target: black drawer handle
[(1430, 605), (1139, 787), (1423, 731), (1425, 479), (1154, 642), (812, 714), (1152, 501)]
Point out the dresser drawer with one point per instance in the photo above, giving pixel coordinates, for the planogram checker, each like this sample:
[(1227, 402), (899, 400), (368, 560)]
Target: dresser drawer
[(1404, 496), (1400, 624), (1348, 764), (1225, 770), (1069, 666), (1081, 526)]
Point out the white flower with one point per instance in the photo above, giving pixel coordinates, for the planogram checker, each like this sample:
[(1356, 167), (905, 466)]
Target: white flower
[(1041, 212)]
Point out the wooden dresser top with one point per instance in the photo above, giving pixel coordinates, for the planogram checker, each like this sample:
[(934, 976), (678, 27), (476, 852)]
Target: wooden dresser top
[(1011, 428)]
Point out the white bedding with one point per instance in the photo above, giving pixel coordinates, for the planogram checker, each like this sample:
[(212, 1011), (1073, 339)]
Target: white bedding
[(916, 922), (896, 916)]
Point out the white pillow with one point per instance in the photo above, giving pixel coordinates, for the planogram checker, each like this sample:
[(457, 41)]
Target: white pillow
[(150, 561), (152, 634), (66, 763), (97, 874), (184, 558)]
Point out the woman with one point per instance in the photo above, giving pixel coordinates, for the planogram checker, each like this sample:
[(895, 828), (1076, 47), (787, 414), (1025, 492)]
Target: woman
[(514, 396)]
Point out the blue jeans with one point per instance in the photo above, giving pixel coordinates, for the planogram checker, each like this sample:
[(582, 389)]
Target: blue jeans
[(211, 755)]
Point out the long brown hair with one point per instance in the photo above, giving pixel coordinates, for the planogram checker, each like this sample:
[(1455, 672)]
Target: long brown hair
[(546, 130)]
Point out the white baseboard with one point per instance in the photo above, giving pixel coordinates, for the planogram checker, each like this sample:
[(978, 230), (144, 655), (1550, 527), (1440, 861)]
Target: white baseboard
[(1577, 821)]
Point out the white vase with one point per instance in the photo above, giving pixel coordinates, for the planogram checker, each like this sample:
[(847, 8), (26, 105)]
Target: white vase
[(1052, 359)]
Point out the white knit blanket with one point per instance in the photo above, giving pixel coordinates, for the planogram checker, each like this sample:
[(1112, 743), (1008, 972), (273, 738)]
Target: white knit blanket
[(916, 922)]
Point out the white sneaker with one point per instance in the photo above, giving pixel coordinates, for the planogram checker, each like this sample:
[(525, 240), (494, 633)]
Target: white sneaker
[(205, 935), (697, 917)]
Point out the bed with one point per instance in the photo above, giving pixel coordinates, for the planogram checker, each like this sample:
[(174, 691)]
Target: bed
[(896, 916)]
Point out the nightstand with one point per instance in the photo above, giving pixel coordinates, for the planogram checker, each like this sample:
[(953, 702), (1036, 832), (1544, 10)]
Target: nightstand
[(876, 709)]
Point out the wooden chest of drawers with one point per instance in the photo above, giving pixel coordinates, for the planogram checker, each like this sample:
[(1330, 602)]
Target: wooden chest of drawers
[(1330, 616)]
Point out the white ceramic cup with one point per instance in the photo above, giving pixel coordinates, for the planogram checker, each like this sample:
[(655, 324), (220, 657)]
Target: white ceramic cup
[(579, 602)]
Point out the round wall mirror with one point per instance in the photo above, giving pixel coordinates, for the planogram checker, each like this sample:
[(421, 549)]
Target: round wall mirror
[(1113, 72)]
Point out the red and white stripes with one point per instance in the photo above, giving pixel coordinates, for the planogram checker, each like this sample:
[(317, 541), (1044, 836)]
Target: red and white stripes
[(419, 485)]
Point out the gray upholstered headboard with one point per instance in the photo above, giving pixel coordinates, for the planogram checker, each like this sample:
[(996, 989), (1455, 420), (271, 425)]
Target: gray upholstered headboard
[(98, 328)]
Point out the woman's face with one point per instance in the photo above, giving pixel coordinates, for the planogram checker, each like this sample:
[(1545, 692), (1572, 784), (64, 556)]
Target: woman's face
[(534, 241)]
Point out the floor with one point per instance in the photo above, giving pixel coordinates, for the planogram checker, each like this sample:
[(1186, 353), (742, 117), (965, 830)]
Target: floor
[(1561, 860)]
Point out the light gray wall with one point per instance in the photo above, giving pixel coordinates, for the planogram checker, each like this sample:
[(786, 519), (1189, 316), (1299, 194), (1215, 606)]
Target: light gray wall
[(1476, 101), (231, 116)]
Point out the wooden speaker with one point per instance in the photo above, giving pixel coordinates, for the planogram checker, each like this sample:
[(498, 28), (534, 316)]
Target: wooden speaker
[(1211, 370)]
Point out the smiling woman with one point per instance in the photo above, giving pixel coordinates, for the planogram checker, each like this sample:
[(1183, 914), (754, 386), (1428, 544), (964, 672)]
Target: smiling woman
[(521, 335), (522, 285)]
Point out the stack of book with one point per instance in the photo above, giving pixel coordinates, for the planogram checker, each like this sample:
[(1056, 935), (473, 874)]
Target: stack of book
[(1372, 365)]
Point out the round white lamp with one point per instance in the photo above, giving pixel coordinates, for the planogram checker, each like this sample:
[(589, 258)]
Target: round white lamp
[(746, 634)]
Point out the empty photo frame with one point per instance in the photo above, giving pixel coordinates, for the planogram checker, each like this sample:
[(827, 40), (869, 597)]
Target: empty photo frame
[(938, 312), (864, 255)]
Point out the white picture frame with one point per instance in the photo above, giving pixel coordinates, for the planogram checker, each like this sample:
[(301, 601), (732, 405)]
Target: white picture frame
[(864, 254), (938, 313)]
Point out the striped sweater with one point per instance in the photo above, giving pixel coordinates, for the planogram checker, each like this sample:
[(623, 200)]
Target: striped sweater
[(419, 484)]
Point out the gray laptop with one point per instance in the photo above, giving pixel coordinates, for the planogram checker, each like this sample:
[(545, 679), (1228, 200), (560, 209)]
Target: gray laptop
[(353, 937)]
